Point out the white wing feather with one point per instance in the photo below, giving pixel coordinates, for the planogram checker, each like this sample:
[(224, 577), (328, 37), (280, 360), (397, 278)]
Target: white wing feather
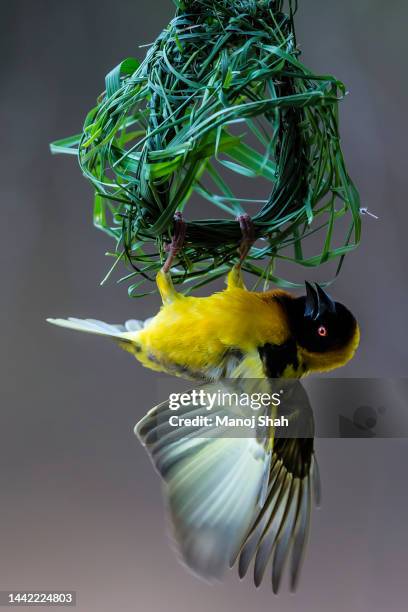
[(213, 485)]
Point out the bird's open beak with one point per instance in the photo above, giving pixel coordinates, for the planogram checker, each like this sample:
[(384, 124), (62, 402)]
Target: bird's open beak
[(317, 302)]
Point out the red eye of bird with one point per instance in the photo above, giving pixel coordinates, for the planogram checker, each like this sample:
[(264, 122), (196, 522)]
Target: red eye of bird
[(322, 331)]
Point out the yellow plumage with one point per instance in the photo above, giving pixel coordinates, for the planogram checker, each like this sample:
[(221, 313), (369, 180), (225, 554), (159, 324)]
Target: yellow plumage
[(196, 332)]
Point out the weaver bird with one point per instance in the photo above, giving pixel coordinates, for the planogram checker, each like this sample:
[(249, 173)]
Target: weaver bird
[(236, 333), (247, 496)]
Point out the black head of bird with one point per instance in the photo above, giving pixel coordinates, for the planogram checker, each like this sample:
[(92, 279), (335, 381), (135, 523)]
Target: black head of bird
[(325, 331)]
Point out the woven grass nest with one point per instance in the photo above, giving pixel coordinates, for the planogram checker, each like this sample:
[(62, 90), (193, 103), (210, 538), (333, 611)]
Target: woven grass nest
[(220, 95)]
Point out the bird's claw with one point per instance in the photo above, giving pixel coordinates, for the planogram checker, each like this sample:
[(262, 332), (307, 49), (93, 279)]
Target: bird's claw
[(177, 241), (248, 236)]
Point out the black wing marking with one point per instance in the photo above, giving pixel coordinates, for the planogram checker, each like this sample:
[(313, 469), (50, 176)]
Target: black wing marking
[(277, 357), (282, 524)]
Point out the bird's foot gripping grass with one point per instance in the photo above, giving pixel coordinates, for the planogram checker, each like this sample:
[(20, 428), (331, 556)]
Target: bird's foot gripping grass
[(248, 237), (177, 241), (234, 278)]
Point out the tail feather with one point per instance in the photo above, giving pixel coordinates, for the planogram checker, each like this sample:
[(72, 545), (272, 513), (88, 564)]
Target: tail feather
[(93, 326)]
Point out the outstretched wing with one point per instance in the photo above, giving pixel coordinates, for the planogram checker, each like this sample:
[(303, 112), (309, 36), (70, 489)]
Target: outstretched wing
[(213, 483), (233, 498)]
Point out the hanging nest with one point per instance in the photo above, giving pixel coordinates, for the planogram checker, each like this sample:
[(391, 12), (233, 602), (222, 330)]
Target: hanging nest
[(220, 93)]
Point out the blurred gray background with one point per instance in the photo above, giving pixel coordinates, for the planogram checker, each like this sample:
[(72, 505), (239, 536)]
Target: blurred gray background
[(80, 504)]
